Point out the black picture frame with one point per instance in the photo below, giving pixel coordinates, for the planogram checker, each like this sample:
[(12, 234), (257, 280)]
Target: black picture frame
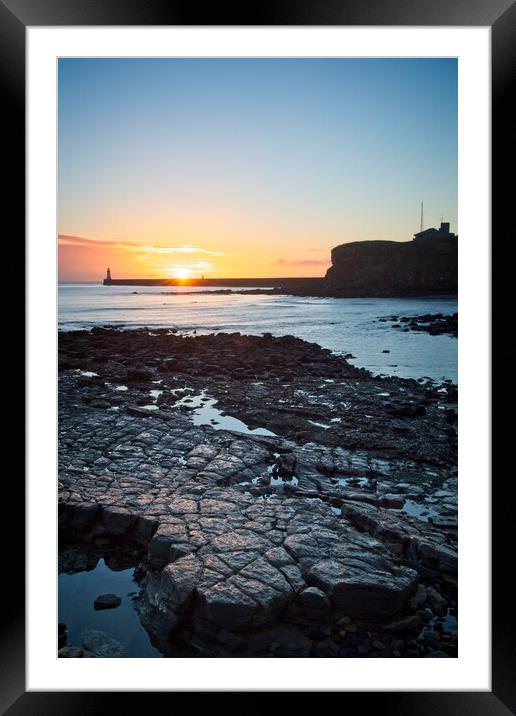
[(500, 15)]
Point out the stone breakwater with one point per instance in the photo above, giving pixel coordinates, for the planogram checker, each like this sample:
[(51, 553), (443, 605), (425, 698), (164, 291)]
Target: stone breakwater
[(333, 534)]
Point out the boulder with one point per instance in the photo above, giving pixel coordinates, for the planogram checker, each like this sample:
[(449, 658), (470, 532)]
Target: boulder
[(315, 600), (438, 604), (107, 601), (101, 645), (363, 592), (166, 537)]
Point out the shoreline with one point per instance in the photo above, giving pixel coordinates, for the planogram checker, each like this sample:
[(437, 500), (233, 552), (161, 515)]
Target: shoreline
[(381, 351), (264, 287), (246, 540)]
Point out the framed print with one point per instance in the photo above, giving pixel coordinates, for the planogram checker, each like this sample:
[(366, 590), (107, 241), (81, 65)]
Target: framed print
[(258, 255)]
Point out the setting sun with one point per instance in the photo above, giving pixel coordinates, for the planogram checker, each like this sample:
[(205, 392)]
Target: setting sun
[(181, 273)]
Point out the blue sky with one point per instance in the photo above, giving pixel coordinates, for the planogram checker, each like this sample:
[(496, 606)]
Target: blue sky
[(266, 161)]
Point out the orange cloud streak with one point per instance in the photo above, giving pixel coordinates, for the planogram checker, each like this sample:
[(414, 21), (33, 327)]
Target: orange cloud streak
[(85, 259)]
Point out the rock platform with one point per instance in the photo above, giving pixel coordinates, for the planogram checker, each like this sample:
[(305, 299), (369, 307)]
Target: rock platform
[(342, 513)]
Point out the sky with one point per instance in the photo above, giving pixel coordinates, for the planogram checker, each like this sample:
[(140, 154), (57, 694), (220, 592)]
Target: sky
[(247, 167)]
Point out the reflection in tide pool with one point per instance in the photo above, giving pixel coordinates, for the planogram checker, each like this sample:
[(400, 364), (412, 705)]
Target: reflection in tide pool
[(78, 591), (204, 413)]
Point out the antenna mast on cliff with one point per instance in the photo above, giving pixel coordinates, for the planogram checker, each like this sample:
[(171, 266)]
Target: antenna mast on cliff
[(421, 223)]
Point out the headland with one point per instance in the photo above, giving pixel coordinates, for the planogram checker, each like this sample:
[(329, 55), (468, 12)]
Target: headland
[(425, 266)]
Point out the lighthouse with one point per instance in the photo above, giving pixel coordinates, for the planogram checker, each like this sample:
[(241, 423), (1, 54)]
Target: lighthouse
[(108, 275)]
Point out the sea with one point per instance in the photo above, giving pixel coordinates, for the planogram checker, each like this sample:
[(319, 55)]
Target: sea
[(343, 325)]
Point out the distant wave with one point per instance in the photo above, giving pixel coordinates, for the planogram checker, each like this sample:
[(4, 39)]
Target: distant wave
[(110, 309)]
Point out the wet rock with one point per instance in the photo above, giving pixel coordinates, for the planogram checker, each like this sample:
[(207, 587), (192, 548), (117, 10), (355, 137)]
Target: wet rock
[(145, 529), (286, 466), (62, 634), (318, 632), (138, 375), (443, 557), (170, 541), (117, 521), (325, 466), (325, 649), (178, 581), (434, 324), (395, 502), (101, 645), (407, 410), (107, 601), (344, 621), (224, 554), (438, 604), (444, 522), (83, 516), (70, 652), (228, 606), (100, 403), (420, 595), (114, 371), (314, 599), (290, 642), (138, 412), (406, 624), (363, 592)]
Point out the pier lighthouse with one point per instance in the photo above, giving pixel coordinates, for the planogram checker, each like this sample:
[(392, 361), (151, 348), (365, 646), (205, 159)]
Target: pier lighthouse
[(107, 280)]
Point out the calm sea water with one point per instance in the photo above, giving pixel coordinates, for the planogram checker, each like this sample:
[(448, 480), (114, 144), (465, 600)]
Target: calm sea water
[(344, 325), (77, 593)]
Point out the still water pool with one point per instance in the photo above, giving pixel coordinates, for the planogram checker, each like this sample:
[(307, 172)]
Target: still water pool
[(77, 593)]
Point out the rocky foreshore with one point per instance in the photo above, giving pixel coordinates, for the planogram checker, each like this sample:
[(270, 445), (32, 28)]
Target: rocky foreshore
[(436, 324), (275, 500)]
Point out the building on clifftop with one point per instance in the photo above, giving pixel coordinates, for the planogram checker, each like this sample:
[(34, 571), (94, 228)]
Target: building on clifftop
[(443, 232)]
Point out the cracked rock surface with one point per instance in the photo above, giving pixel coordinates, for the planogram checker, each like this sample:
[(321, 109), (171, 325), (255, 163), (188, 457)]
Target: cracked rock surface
[(240, 532)]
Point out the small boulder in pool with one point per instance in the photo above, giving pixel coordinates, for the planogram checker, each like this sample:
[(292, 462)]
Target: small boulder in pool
[(101, 645), (107, 601)]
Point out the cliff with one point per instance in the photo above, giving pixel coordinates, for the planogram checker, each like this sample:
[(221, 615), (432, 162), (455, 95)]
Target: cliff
[(392, 268), (426, 265)]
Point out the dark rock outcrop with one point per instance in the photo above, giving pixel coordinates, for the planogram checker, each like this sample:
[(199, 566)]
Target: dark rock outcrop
[(433, 323), (392, 268)]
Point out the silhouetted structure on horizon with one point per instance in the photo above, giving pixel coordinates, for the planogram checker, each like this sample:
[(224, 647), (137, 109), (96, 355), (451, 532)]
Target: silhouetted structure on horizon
[(425, 266), (443, 232)]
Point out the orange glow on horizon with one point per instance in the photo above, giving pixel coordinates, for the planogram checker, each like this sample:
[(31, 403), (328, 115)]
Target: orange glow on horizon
[(181, 273), (84, 258)]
